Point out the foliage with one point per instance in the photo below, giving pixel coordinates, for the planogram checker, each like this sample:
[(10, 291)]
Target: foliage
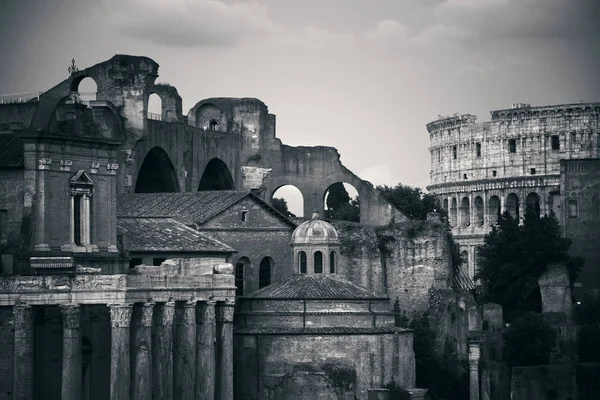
[(587, 316), (411, 201), (513, 257), (528, 340), (340, 206), (281, 206), (445, 376)]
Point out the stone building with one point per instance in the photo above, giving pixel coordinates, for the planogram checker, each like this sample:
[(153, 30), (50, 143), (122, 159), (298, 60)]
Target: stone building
[(480, 170), (316, 335)]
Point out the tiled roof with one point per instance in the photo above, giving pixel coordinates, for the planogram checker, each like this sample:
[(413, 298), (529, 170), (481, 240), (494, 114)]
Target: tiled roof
[(318, 331), (11, 152), (189, 208), (165, 235), (315, 287)]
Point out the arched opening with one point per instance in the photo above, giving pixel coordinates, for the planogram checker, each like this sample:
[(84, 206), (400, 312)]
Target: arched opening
[(479, 219), (318, 266), (453, 211), (512, 205), (532, 202), (243, 264), (465, 212), (332, 260), (494, 211), (595, 207), (208, 117), (342, 202), (445, 205), (216, 176), (157, 174), (155, 107), (302, 262), (87, 89), (264, 272), (289, 201)]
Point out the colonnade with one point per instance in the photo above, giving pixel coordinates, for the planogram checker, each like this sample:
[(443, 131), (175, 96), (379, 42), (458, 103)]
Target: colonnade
[(158, 350)]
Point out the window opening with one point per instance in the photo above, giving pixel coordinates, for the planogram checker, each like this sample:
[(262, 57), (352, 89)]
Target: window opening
[(332, 262), (555, 142), (318, 267), (239, 279), (478, 149), (302, 262), (454, 152), (512, 145), (244, 215), (157, 261), (573, 211), (264, 273), (532, 171), (134, 262), (494, 173)]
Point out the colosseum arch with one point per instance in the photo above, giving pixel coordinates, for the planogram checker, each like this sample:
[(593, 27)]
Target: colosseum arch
[(512, 205), (453, 212), (494, 210), (157, 174), (465, 212), (216, 176), (532, 201), (479, 212)]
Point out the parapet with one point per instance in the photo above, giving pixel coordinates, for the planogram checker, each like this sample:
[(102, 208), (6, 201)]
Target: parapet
[(522, 111), (448, 122)]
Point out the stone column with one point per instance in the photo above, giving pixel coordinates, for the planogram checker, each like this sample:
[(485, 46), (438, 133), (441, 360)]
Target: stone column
[(474, 354), (23, 360), (120, 377), (141, 360), (224, 376), (71, 362), (162, 348), (184, 355), (205, 350)]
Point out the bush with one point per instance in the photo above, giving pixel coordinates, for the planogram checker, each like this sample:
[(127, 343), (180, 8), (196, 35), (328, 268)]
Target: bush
[(528, 340)]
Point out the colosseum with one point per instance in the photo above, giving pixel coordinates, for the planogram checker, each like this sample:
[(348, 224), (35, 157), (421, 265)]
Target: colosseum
[(480, 170)]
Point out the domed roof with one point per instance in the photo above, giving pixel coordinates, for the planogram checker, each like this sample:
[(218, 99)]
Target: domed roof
[(315, 231)]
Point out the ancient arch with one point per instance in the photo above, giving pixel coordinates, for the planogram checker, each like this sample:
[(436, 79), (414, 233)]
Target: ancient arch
[(155, 107), (264, 272), (157, 174), (293, 198), (512, 205), (494, 210), (453, 212), (479, 212), (216, 176), (208, 117), (465, 212), (342, 202), (85, 87), (532, 201)]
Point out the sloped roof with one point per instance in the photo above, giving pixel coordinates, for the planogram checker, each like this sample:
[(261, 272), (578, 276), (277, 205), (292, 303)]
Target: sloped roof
[(189, 208), (166, 235), (315, 287), (11, 152)]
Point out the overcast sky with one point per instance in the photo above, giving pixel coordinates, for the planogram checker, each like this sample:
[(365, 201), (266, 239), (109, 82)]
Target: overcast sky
[(364, 76)]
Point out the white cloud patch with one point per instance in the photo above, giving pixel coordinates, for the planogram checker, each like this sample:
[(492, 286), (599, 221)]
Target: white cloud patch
[(379, 175), (388, 29), (190, 23)]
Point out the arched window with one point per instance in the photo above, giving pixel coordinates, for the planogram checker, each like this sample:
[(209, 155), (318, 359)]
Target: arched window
[(453, 212), (264, 272), (493, 210), (465, 212), (512, 205), (302, 262), (213, 125), (332, 262), (318, 268), (478, 211)]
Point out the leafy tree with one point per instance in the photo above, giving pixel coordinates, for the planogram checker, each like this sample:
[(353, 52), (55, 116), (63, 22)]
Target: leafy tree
[(514, 257), (281, 206), (587, 316), (528, 340), (411, 201), (340, 206)]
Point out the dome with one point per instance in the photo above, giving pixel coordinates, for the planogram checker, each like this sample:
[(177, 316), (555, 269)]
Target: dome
[(315, 231)]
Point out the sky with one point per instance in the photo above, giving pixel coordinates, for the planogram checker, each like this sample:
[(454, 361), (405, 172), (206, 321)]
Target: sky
[(364, 76)]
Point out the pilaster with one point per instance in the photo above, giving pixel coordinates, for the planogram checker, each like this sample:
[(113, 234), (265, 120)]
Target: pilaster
[(71, 362), (224, 376), (23, 360)]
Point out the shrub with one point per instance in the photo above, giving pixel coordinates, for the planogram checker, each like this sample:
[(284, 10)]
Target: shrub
[(528, 340)]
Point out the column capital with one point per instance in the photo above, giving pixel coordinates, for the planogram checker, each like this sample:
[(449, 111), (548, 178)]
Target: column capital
[(71, 314), (205, 312), (165, 318), (24, 316), (224, 312), (120, 315), (187, 316), (145, 318)]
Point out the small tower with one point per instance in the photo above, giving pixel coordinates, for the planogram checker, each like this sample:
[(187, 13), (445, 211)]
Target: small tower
[(316, 247)]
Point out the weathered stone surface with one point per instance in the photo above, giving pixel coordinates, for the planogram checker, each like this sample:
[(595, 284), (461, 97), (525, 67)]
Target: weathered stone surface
[(184, 352), (120, 366), (141, 350), (224, 269), (71, 361), (162, 348), (23, 367), (205, 350), (224, 318)]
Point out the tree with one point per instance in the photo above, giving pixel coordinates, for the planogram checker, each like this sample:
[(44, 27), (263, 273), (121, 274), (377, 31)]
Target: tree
[(587, 316), (340, 206), (411, 201), (281, 206), (513, 257), (528, 340)]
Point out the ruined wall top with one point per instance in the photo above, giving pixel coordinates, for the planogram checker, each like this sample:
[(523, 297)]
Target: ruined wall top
[(449, 122)]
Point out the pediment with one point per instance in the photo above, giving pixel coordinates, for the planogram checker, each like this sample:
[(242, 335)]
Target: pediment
[(81, 178)]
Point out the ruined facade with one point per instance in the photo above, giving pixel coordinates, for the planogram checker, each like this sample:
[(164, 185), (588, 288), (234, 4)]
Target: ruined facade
[(480, 170)]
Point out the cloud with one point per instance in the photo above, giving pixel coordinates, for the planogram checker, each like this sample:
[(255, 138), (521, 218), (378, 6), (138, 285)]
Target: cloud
[(379, 175), (388, 29), (192, 23)]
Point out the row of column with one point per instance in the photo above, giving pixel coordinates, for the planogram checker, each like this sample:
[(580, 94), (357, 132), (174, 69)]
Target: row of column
[(183, 341)]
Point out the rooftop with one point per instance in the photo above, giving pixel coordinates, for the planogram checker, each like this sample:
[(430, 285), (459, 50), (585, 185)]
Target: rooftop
[(11, 152)]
